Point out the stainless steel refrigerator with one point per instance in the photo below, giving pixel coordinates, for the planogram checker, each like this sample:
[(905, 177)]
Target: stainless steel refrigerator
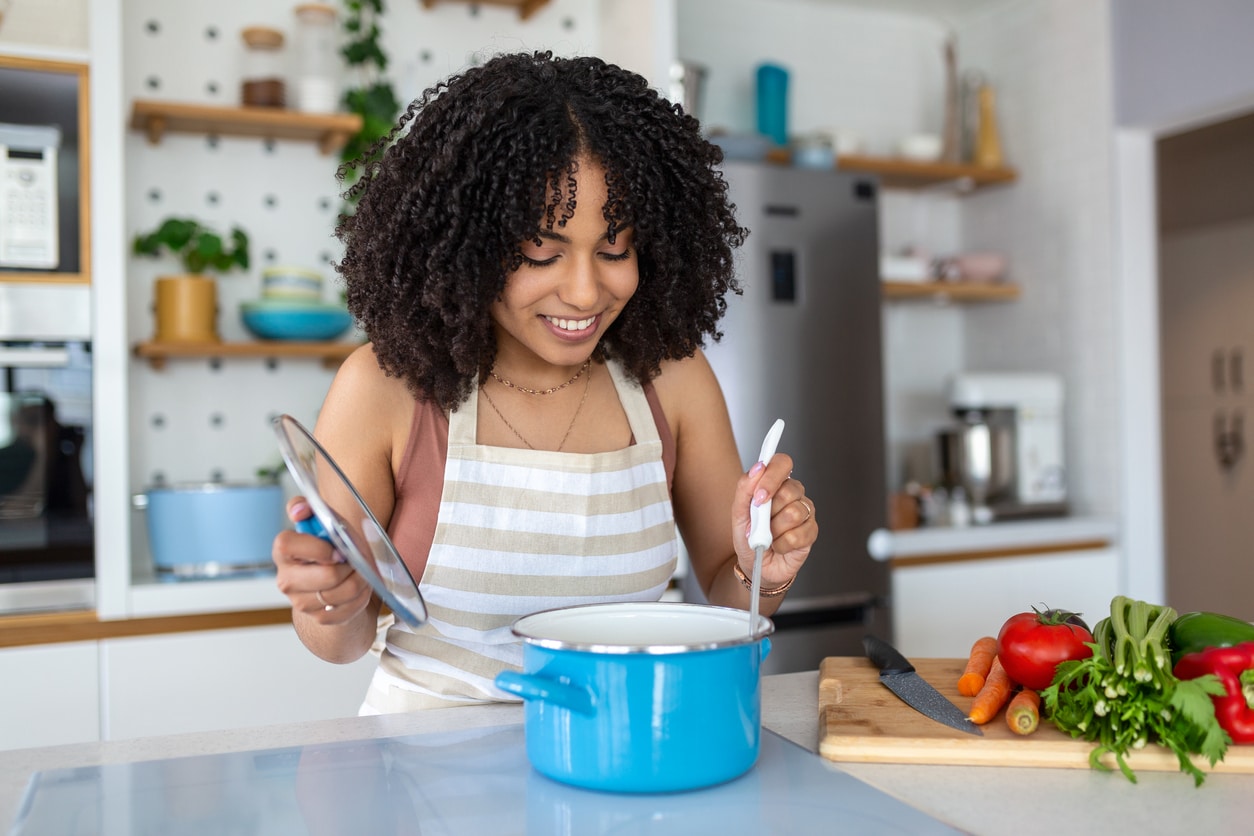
[(803, 344)]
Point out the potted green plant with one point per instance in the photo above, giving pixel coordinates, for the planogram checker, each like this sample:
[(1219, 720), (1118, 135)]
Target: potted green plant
[(186, 305)]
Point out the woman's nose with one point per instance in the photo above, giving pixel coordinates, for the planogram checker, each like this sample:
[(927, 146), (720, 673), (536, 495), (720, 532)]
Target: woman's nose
[(581, 287)]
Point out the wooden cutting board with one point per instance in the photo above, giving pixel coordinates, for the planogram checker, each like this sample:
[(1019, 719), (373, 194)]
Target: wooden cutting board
[(861, 721)]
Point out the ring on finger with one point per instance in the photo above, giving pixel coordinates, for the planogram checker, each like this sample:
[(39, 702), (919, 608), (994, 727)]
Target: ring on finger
[(809, 509), (323, 601)]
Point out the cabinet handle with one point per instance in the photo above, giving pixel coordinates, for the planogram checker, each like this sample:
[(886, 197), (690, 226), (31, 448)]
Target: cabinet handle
[(1229, 438)]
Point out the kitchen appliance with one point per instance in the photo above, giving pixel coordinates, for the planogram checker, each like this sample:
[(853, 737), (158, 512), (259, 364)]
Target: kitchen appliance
[(640, 697), (900, 677), (29, 236), (47, 532), (1007, 451), (802, 343)]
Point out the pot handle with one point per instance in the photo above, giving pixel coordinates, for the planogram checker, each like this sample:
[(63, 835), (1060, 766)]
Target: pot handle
[(531, 686)]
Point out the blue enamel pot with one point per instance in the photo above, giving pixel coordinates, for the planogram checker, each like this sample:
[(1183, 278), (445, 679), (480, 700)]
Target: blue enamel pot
[(641, 697)]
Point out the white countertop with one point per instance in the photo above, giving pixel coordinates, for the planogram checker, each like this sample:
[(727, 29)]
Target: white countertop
[(980, 800), (1045, 534)]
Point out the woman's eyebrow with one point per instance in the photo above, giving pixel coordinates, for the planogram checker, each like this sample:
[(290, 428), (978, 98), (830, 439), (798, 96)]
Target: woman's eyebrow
[(560, 238)]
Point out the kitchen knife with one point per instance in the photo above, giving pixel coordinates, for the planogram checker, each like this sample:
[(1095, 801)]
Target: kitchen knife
[(899, 676), (760, 525)]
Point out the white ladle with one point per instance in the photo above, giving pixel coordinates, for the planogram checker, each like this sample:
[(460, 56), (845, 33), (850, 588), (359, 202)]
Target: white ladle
[(760, 525)]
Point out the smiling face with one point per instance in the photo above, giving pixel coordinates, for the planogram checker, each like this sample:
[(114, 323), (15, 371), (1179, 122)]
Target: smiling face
[(571, 286)]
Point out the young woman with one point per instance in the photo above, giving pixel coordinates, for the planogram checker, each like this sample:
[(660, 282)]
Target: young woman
[(536, 256)]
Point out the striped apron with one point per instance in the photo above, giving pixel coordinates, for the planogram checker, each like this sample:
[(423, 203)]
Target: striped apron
[(520, 531)]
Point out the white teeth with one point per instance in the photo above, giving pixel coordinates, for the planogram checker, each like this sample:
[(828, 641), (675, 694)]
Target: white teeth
[(572, 324)]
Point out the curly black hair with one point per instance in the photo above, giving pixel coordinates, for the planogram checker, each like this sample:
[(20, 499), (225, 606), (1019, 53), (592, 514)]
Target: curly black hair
[(444, 202)]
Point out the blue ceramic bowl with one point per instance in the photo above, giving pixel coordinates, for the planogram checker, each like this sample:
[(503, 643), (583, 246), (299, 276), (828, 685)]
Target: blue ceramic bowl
[(271, 319)]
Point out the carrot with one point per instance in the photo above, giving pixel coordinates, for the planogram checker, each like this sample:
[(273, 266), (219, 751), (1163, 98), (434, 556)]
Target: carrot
[(981, 659), (1024, 712), (994, 694)]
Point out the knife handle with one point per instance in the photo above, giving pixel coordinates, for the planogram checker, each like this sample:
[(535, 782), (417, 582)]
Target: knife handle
[(885, 657)]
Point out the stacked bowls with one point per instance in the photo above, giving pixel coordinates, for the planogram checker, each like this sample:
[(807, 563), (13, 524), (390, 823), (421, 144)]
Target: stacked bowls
[(291, 308)]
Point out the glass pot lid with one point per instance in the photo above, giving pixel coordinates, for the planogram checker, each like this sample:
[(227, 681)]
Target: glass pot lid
[(342, 517)]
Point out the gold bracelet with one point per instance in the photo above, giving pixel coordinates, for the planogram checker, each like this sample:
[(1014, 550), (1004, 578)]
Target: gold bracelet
[(762, 593)]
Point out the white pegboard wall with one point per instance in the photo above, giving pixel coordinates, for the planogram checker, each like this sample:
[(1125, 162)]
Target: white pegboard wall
[(200, 420)]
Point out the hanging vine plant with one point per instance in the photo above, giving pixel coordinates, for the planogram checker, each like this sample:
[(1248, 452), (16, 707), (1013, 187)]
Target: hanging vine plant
[(371, 95)]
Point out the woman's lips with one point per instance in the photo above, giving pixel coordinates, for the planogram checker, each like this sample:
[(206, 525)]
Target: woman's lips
[(572, 329)]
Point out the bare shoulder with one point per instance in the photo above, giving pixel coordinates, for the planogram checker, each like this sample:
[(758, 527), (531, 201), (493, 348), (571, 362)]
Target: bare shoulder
[(689, 392), (364, 402)]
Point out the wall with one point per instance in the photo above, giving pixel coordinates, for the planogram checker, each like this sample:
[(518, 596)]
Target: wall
[(46, 24), (1179, 62), (195, 421), (880, 73), (1049, 62)]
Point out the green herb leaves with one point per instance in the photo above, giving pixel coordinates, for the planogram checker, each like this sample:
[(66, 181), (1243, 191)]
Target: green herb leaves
[(1125, 697)]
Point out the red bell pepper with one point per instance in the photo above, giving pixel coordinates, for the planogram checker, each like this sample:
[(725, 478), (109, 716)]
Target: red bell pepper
[(1234, 666)]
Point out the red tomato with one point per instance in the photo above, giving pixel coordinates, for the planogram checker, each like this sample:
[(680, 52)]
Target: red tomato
[(1032, 644)]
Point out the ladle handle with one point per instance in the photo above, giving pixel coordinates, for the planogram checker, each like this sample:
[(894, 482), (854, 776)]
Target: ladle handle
[(760, 515)]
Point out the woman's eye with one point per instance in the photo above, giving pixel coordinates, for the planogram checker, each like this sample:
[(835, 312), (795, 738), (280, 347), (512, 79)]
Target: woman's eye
[(537, 262), (623, 256)]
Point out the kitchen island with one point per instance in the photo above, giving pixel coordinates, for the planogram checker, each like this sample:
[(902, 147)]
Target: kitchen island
[(979, 800)]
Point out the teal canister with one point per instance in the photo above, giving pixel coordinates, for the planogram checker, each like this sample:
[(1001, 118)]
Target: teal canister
[(772, 93)]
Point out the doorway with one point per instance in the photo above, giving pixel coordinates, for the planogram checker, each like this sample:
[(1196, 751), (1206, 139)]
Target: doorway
[(1205, 236)]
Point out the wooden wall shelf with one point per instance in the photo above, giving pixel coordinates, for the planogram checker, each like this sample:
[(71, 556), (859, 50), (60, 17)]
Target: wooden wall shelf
[(330, 353), (329, 130), (526, 8), (951, 291), (900, 173)]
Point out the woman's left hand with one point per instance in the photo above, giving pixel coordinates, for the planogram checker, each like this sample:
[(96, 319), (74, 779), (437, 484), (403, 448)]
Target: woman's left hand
[(793, 525)]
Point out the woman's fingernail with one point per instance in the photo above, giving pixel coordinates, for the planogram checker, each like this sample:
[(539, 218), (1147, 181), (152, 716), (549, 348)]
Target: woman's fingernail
[(759, 496), (298, 511), (757, 468)]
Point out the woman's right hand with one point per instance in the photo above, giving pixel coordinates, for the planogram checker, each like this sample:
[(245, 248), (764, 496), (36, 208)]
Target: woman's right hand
[(315, 577)]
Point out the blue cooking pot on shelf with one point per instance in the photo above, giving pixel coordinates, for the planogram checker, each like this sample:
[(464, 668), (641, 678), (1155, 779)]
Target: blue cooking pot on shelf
[(641, 697)]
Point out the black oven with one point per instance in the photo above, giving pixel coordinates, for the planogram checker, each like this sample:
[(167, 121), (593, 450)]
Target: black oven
[(47, 551)]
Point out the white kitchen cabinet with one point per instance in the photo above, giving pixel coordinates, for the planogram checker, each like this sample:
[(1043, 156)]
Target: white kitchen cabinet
[(49, 695), (940, 609), (220, 679)]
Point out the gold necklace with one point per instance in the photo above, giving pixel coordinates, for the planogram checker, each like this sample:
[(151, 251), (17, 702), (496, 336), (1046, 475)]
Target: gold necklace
[(571, 426), (549, 391)]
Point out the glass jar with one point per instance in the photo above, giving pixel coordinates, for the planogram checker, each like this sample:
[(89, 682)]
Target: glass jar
[(263, 84), (316, 78)]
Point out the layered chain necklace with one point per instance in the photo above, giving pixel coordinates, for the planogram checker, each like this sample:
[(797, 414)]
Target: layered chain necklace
[(587, 385)]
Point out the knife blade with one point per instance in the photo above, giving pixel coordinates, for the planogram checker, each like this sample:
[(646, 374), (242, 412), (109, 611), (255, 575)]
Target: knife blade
[(899, 676)]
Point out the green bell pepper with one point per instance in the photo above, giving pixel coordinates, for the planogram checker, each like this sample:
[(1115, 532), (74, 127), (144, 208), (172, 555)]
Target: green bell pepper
[(1194, 632)]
